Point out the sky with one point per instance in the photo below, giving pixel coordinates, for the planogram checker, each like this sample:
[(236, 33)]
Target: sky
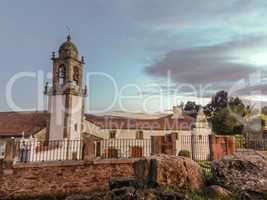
[(141, 56)]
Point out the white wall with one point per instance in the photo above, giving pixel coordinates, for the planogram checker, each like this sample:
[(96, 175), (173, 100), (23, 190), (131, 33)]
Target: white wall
[(57, 111), (199, 147), (128, 133), (56, 107), (76, 117)]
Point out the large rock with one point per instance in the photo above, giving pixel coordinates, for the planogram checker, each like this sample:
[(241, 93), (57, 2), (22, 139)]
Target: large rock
[(120, 182), (216, 191), (123, 193), (178, 173), (244, 173)]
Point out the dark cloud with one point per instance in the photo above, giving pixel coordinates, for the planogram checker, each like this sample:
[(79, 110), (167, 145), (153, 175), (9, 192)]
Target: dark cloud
[(217, 64), (259, 90)]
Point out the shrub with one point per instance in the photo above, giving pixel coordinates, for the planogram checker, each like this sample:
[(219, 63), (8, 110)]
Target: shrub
[(240, 141), (184, 153)]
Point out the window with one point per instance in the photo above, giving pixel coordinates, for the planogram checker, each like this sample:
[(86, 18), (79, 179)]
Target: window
[(139, 135), (76, 127), (112, 134), (61, 74), (176, 135), (76, 75)]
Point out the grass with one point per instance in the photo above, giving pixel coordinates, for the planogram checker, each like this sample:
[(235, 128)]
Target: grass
[(240, 141), (206, 165)]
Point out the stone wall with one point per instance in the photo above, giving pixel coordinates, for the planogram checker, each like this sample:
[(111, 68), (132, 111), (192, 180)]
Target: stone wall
[(60, 178)]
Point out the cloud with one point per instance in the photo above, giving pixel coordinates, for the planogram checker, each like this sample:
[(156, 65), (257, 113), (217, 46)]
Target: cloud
[(219, 64), (173, 12)]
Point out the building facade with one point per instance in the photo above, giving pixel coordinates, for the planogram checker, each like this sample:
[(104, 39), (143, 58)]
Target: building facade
[(65, 119)]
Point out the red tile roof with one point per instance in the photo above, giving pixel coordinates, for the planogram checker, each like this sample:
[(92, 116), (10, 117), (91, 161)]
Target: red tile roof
[(12, 124), (163, 123)]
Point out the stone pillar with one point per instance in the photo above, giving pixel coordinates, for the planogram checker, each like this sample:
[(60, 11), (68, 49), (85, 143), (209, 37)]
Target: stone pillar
[(88, 149), (230, 145), (212, 144), (10, 152), (221, 146), (156, 145), (164, 144)]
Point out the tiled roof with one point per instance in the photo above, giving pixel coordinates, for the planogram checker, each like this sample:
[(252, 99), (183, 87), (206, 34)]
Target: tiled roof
[(12, 124), (163, 123)]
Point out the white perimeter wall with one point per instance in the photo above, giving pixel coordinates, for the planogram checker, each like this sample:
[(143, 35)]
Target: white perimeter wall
[(199, 147)]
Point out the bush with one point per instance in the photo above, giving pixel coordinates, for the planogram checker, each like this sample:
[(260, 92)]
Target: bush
[(240, 141), (184, 153)]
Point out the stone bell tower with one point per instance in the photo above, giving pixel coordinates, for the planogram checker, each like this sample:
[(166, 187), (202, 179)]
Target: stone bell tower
[(66, 95)]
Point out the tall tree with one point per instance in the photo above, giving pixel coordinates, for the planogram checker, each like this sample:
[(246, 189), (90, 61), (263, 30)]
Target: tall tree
[(218, 102), (227, 115), (191, 108)]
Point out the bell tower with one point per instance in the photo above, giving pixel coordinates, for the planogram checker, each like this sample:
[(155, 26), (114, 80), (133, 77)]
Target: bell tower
[(67, 93)]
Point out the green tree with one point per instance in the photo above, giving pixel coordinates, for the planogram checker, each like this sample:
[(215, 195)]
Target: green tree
[(227, 115), (225, 123), (191, 108)]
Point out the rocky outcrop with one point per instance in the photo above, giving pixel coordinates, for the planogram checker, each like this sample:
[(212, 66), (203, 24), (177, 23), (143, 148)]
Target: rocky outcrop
[(216, 192), (244, 173), (120, 182), (178, 173), (131, 190), (93, 196), (158, 177)]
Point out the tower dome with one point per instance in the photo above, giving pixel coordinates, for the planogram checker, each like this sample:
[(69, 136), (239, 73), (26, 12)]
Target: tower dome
[(68, 49)]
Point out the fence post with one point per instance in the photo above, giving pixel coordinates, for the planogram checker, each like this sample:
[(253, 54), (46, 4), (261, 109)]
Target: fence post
[(10, 152), (88, 150), (156, 145), (230, 145), (212, 146)]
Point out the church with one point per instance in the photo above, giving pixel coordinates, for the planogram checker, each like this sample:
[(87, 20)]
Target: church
[(65, 117)]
